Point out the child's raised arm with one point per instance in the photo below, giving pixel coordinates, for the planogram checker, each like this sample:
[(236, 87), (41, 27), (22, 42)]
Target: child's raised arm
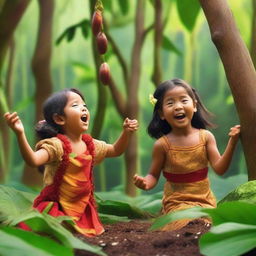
[(121, 143), (31, 158), (158, 158), (220, 163)]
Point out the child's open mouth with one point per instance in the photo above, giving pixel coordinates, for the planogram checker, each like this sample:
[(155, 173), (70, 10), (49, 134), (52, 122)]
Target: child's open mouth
[(179, 116), (84, 118)]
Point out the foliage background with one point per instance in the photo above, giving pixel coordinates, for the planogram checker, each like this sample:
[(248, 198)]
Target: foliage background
[(72, 66)]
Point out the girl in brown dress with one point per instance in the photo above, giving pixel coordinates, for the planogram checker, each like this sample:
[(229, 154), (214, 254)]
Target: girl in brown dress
[(183, 150)]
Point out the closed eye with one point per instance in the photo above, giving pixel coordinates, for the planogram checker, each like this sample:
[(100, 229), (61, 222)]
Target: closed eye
[(170, 103)]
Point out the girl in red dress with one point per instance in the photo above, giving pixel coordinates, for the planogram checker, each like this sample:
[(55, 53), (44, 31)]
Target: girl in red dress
[(68, 156)]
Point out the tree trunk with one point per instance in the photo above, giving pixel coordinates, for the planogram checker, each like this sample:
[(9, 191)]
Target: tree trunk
[(41, 69), (131, 155), (239, 71), (101, 89), (11, 13), (158, 36)]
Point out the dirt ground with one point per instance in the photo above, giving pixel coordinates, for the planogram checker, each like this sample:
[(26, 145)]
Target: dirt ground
[(134, 239)]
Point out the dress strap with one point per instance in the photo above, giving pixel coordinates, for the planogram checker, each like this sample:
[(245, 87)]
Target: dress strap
[(202, 136), (166, 143)]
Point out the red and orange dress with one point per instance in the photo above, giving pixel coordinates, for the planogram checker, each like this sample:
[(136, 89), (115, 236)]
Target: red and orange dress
[(187, 184), (68, 182)]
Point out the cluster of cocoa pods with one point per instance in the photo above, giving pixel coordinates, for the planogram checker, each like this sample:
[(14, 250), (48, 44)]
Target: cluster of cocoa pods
[(102, 45)]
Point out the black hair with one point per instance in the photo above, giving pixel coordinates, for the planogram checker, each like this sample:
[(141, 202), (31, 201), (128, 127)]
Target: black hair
[(55, 104), (158, 127)]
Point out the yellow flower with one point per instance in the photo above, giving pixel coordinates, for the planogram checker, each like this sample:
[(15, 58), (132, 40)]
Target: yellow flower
[(152, 100)]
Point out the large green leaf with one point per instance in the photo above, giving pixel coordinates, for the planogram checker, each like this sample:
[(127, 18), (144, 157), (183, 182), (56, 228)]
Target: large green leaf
[(13, 203), (169, 46), (245, 192), (120, 209), (188, 11), (110, 219), (228, 239), (44, 223), (19, 242), (239, 212), (195, 212)]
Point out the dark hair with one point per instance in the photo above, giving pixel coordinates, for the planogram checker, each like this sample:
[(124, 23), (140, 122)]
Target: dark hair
[(158, 127), (55, 104)]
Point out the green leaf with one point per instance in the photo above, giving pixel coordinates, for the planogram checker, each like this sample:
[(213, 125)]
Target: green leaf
[(229, 239), (110, 219), (244, 192), (195, 212), (44, 223), (120, 209), (28, 243), (188, 11), (71, 33), (13, 203), (85, 28), (124, 6), (169, 46), (233, 212)]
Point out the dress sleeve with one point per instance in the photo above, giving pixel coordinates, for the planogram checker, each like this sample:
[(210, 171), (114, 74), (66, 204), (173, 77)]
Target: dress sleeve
[(54, 148), (100, 150)]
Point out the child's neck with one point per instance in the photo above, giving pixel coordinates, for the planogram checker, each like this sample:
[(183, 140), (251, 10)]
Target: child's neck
[(77, 144), (183, 131)]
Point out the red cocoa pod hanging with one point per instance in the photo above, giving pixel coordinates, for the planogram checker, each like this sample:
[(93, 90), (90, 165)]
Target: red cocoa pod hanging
[(102, 43), (104, 73), (96, 22)]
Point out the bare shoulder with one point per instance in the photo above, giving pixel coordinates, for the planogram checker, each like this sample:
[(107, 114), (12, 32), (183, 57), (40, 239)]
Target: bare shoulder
[(209, 136), (158, 145)]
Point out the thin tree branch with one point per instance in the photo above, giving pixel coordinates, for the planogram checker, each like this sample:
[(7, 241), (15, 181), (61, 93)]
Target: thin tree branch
[(118, 53), (118, 98), (158, 36)]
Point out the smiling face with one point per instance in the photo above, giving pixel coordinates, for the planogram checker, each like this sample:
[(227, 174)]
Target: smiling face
[(76, 115), (178, 108)]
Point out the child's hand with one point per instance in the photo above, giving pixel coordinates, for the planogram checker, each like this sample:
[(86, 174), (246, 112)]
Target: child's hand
[(130, 125), (139, 182), (235, 132), (14, 122)]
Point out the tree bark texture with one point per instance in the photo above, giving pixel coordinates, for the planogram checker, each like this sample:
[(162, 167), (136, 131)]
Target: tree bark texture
[(131, 155), (10, 16), (41, 70), (158, 37), (239, 71)]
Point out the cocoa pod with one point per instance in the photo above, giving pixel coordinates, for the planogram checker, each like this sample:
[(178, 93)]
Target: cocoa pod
[(96, 22), (104, 73), (102, 43)]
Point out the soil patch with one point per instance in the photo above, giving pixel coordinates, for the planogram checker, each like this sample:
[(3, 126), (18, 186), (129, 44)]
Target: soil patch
[(134, 239)]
